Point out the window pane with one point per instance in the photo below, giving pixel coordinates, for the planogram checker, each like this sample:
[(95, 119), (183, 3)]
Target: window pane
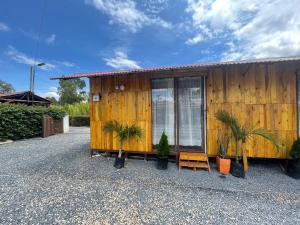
[(190, 111), (163, 109)]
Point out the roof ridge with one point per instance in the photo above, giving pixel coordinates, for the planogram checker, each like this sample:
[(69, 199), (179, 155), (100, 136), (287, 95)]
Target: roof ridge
[(176, 67)]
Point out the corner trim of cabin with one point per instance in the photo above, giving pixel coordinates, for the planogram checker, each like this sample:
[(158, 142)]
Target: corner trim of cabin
[(205, 113), (297, 100)]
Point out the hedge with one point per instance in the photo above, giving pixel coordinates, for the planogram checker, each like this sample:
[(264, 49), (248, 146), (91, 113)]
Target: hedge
[(79, 121), (21, 121)]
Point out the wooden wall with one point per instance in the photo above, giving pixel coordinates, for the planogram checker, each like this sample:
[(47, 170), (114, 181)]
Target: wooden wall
[(131, 106), (260, 96)]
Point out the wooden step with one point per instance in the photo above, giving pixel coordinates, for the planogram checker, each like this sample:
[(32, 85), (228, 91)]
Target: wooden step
[(194, 164), (193, 156), (194, 160)]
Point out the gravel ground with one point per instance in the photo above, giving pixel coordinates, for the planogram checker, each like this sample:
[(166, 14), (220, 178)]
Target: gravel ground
[(54, 181)]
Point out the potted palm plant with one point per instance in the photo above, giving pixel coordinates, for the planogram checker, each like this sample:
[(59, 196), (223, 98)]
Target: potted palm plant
[(293, 166), (163, 152), (240, 135), (223, 163), (123, 132)]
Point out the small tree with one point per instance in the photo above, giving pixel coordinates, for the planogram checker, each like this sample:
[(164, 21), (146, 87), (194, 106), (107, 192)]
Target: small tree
[(163, 146), (241, 134), (123, 132), (295, 150)]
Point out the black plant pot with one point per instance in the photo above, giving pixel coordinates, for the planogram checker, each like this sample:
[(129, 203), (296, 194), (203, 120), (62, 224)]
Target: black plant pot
[(237, 170), (119, 162), (293, 169), (162, 163)]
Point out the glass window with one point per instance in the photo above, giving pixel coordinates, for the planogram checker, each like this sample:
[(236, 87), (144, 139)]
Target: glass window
[(163, 110)]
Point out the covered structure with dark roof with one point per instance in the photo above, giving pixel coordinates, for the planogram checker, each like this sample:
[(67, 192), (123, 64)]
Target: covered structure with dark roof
[(182, 101), (25, 97)]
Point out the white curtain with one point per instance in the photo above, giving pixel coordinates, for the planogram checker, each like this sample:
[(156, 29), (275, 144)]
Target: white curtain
[(190, 113), (163, 110)]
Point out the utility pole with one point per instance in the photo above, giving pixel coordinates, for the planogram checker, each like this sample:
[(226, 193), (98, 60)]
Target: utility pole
[(32, 78), (32, 75), (30, 82)]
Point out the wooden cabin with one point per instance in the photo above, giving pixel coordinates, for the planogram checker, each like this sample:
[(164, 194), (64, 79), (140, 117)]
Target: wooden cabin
[(183, 100)]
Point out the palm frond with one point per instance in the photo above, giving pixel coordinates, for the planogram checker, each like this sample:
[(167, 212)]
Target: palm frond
[(266, 135), (134, 130), (229, 121), (112, 126), (123, 132)]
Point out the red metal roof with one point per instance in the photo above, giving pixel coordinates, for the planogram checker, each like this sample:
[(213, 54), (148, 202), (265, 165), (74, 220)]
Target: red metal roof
[(178, 67)]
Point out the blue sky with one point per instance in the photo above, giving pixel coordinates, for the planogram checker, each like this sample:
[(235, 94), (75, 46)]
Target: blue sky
[(93, 35)]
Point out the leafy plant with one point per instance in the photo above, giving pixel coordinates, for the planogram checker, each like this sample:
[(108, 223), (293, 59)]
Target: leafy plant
[(242, 134), (223, 142), (21, 121), (163, 146), (76, 109), (295, 150), (123, 132)]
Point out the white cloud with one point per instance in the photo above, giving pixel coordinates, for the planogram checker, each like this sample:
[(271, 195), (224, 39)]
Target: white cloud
[(121, 61), (4, 27), (195, 40), (52, 92), (22, 58), (50, 39), (155, 6), (126, 13), (64, 64), (68, 64), (253, 28)]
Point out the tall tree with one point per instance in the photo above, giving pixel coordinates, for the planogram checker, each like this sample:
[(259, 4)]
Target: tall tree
[(6, 87), (71, 91)]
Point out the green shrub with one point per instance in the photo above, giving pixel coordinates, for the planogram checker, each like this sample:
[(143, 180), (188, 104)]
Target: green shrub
[(21, 121), (79, 121), (163, 146), (78, 109), (295, 150)]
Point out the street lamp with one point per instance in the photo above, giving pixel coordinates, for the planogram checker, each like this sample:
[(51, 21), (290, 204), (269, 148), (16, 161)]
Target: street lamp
[(32, 75), (41, 64)]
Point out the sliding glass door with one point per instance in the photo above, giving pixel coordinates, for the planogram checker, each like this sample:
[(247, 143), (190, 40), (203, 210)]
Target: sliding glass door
[(163, 110), (177, 109), (190, 113)]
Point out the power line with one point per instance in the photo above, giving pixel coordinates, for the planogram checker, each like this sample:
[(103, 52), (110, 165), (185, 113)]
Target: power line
[(37, 48)]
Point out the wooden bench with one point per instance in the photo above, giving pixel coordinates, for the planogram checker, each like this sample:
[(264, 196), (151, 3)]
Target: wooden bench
[(195, 160)]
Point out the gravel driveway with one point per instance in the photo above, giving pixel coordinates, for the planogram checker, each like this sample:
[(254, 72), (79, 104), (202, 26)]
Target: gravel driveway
[(54, 181)]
